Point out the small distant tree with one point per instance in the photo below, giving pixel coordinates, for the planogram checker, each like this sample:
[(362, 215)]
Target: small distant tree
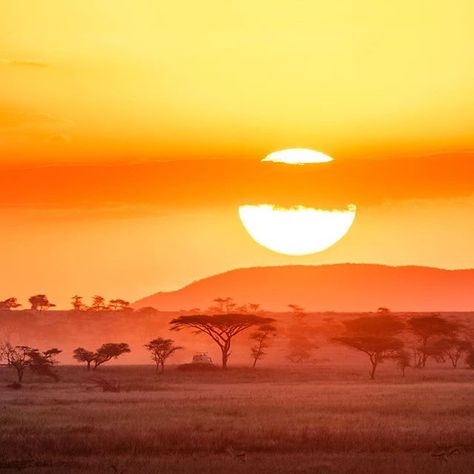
[(260, 341), (160, 350), (298, 311), (374, 336), (426, 329), (83, 355), (383, 310), (98, 303), (78, 303), (221, 328), (223, 305), (403, 359), (40, 303), (109, 351), (9, 304), (300, 348), (119, 305), (42, 362)]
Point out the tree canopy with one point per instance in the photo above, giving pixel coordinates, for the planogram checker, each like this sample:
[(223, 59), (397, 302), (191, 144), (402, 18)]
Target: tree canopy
[(221, 328)]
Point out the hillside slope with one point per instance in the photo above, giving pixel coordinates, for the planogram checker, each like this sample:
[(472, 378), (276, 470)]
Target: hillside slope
[(340, 287)]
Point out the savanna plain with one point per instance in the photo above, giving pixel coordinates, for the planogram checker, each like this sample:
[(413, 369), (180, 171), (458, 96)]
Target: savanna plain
[(311, 418)]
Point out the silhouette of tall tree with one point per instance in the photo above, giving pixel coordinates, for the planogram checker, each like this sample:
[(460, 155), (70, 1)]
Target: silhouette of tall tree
[(221, 328), (374, 336), (40, 303), (160, 350), (426, 329)]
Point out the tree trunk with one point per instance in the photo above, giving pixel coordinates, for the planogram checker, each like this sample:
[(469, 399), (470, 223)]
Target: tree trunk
[(162, 367), (20, 373), (89, 365), (254, 362), (374, 363)]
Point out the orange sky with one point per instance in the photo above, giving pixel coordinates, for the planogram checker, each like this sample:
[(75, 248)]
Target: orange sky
[(131, 131)]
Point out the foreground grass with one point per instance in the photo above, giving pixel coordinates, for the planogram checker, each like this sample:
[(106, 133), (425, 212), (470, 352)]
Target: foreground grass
[(310, 420)]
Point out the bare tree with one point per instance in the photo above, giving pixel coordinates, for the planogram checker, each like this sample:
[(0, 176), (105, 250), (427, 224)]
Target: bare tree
[(83, 355), (22, 357), (260, 339), (17, 357), (160, 350), (221, 328)]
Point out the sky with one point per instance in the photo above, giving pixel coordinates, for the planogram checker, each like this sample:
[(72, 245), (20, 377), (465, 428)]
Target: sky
[(131, 131)]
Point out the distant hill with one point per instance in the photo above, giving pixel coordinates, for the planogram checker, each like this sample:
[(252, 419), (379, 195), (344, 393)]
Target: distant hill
[(340, 287)]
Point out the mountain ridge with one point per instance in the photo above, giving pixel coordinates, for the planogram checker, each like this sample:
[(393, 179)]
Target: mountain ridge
[(329, 287)]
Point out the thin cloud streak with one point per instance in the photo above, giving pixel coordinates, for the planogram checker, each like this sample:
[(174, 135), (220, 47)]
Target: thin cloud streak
[(210, 183)]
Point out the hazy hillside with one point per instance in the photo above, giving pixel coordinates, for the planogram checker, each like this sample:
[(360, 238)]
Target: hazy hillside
[(341, 287)]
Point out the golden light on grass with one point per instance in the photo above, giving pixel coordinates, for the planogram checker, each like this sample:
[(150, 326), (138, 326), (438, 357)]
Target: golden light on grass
[(298, 230), (297, 156)]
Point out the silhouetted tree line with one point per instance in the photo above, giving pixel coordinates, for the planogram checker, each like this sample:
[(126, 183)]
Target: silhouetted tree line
[(384, 336), (42, 303)]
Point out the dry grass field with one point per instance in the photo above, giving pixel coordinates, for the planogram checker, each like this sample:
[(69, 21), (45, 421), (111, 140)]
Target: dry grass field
[(311, 419)]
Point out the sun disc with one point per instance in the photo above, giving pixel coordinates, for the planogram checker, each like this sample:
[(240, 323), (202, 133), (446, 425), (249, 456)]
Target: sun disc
[(298, 230), (297, 156)]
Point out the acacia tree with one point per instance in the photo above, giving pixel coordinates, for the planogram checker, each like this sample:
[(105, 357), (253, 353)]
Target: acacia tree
[(221, 328), (452, 348), (78, 304), (83, 355), (98, 303), (42, 362), (374, 336), (40, 303), (9, 304), (109, 351), (119, 305), (260, 342), (426, 329), (160, 350)]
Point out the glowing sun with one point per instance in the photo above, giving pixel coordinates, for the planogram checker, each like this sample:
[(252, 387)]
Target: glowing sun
[(298, 230)]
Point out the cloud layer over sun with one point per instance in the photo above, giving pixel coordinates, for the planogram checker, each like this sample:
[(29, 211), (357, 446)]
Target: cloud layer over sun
[(219, 183)]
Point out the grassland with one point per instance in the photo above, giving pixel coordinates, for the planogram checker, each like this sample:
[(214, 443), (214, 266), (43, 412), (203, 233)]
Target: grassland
[(312, 419)]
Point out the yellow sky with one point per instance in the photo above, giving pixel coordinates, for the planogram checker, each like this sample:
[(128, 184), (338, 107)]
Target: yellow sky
[(107, 79), (96, 82)]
